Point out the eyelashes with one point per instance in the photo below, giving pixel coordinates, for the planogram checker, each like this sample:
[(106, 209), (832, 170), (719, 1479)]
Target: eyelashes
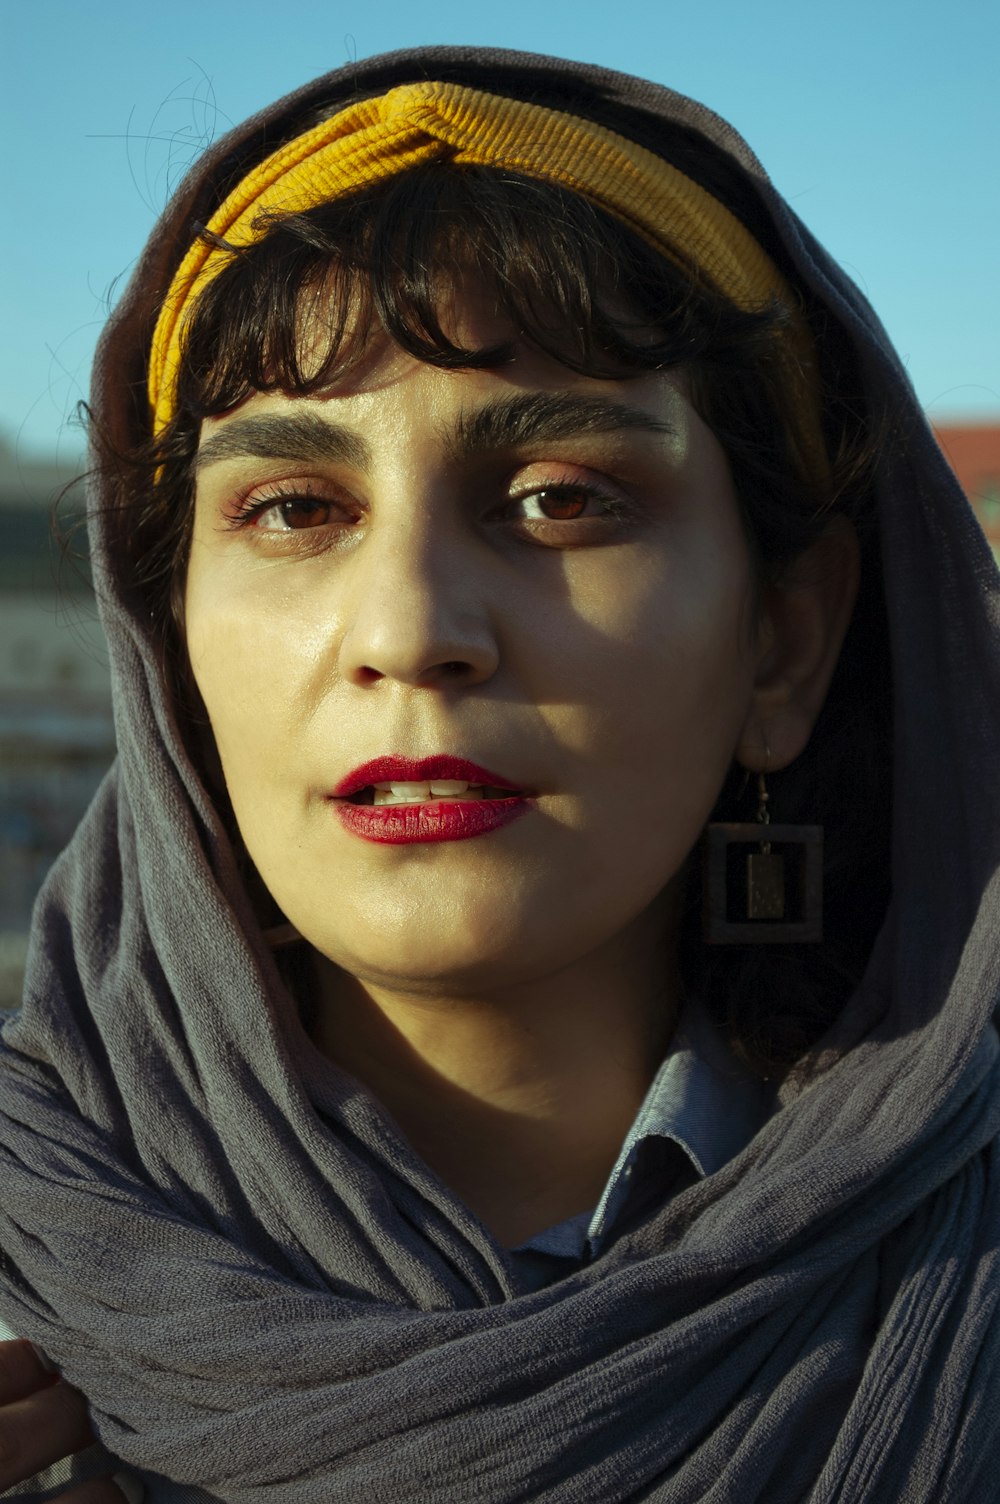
[(558, 510), (284, 507), (568, 501)]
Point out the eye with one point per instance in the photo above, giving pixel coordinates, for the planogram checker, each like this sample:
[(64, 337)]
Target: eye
[(285, 508), (293, 514), (549, 511), (557, 504)]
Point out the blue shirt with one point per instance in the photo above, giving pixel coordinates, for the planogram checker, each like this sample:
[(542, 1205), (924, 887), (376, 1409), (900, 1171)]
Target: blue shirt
[(701, 1109)]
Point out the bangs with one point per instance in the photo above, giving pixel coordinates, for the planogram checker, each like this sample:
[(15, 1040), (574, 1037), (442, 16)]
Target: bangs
[(570, 281)]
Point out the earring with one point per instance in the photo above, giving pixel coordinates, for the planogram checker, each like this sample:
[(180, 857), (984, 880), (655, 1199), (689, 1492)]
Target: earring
[(763, 882)]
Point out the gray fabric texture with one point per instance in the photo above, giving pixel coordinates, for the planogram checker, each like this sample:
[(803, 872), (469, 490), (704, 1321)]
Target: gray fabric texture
[(702, 1100), (260, 1288)]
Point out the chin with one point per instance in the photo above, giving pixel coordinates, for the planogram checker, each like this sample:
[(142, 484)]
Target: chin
[(434, 961)]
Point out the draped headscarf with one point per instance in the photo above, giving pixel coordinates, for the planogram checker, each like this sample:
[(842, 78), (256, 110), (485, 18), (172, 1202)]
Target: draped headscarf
[(261, 1289)]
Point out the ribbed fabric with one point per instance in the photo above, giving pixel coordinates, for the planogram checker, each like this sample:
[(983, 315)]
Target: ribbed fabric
[(417, 123)]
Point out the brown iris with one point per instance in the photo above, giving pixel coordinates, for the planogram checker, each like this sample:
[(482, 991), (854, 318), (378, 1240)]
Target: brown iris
[(562, 506)]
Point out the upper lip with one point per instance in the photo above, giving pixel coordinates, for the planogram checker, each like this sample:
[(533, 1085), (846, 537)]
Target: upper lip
[(392, 769)]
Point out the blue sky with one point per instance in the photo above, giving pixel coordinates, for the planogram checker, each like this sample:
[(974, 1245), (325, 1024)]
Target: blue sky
[(877, 118)]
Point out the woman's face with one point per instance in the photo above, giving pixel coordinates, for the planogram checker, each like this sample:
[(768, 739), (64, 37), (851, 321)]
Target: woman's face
[(538, 573)]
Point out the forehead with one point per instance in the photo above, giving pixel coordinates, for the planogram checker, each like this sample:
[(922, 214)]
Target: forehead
[(529, 398), (467, 307), (296, 308)]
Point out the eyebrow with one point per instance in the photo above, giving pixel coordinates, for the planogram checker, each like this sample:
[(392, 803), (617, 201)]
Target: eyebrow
[(503, 423), (300, 436), (507, 422)]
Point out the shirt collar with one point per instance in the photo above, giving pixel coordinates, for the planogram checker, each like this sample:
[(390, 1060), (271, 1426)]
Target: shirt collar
[(703, 1098)]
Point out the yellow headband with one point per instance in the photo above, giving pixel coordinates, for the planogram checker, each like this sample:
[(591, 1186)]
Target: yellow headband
[(416, 123)]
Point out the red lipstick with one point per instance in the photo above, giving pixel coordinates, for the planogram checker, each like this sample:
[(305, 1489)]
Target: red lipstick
[(451, 818)]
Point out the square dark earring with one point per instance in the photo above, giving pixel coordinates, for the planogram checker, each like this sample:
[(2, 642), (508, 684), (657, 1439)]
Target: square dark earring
[(763, 883)]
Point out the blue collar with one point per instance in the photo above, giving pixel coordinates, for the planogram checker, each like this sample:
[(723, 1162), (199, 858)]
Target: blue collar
[(702, 1098)]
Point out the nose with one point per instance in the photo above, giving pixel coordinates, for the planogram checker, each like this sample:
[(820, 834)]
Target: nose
[(418, 611)]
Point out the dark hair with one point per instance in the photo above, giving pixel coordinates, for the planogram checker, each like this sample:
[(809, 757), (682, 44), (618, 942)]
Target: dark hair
[(588, 291)]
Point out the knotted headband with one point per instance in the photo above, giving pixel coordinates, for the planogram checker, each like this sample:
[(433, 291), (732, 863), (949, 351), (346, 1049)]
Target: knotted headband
[(421, 122)]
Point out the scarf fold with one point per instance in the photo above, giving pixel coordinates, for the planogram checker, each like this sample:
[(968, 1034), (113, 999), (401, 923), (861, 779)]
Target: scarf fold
[(264, 1293)]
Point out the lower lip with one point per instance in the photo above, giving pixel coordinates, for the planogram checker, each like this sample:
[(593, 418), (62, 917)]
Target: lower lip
[(444, 820)]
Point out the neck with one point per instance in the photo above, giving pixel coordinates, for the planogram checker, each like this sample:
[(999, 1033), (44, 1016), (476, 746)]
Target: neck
[(519, 1099)]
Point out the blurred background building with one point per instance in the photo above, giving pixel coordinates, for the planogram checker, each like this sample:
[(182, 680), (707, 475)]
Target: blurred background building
[(973, 450), (56, 737)]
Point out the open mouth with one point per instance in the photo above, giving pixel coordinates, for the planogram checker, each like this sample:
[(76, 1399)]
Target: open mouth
[(432, 792), (399, 801)]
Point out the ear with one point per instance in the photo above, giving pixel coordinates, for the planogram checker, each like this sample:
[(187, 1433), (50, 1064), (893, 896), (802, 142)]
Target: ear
[(805, 615)]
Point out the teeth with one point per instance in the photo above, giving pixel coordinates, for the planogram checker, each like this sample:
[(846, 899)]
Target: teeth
[(421, 793)]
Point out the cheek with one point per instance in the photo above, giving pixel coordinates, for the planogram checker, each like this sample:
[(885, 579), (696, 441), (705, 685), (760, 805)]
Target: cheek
[(246, 657), (662, 647), (665, 678)]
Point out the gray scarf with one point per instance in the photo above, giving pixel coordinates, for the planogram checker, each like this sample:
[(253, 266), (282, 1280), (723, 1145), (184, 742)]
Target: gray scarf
[(262, 1290)]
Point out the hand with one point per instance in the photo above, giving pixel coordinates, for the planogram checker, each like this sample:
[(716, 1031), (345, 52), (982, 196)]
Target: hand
[(42, 1420)]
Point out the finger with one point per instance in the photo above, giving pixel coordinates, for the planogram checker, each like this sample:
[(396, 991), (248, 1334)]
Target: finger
[(41, 1429), (21, 1371)]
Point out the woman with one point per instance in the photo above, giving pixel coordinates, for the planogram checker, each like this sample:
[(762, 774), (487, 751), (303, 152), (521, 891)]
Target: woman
[(502, 499)]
